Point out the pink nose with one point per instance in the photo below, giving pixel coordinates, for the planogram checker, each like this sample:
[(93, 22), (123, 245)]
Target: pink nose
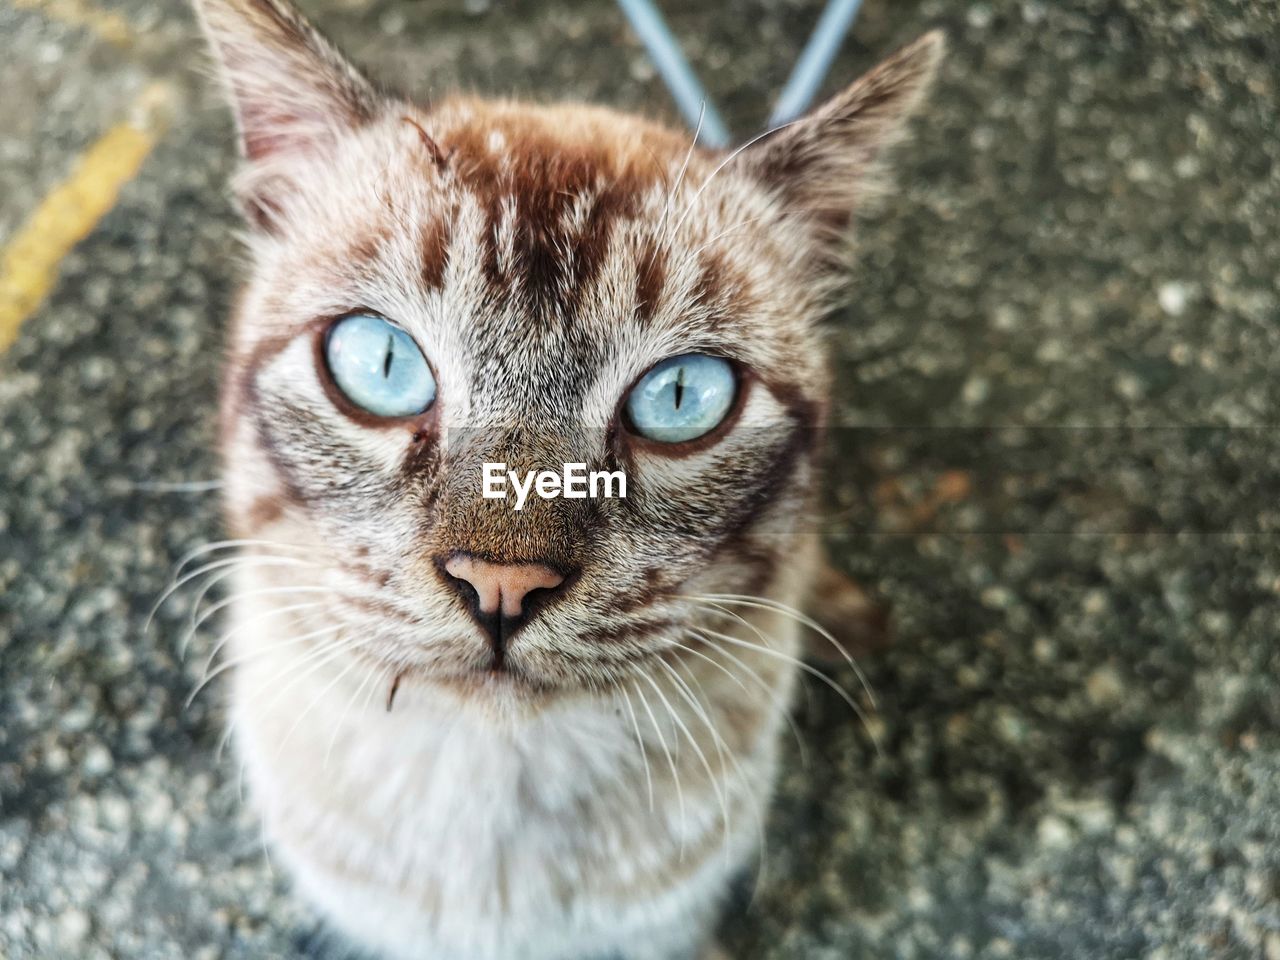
[(501, 588)]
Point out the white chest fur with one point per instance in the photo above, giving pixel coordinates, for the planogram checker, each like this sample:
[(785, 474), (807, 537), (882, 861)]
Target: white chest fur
[(440, 831)]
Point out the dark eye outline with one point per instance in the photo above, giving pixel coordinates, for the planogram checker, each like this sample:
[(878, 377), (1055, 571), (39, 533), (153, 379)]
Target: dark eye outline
[(421, 421), (743, 379)]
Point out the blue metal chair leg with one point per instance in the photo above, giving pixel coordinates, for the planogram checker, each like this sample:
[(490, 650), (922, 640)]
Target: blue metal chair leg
[(692, 100), (664, 50), (810, 70)]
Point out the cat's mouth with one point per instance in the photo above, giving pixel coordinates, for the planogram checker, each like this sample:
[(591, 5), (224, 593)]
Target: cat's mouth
[(540, 665), (501, 679)]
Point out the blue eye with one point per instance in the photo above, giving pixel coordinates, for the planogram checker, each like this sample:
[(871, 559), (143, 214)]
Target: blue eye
[(682, 398), (379, 367)]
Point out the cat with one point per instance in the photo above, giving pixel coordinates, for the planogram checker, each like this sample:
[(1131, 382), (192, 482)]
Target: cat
[(475, 733)]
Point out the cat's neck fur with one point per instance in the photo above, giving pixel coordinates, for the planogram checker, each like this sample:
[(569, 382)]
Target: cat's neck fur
[(488, 820)]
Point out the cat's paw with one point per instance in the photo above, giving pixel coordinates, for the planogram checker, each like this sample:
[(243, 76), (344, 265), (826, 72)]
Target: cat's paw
[(848, 613)]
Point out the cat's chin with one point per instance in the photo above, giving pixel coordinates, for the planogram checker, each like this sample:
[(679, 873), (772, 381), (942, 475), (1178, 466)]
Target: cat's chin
[(508, 687)]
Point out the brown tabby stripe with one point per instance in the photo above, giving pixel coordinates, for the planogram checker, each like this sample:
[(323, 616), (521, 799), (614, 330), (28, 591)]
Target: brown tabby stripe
[(242, 399), (651, 276), (367, 248), (533, 192), (721, 288), (435, 251), (800, 448)]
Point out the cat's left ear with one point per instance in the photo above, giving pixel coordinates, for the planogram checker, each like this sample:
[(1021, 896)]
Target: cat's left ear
[(828, 164), (292, 91)]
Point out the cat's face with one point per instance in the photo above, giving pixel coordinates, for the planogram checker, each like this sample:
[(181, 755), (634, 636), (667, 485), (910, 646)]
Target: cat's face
[(542, 261)]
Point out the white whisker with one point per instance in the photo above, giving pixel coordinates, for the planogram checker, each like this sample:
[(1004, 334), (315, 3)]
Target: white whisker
[(253, 654), (724, 163), (232, 562), (177, 486), (675, 773), (370, 676), (700, 711), (716, 785), (238, 628), (222, 745), (724, 748), (741, 224), (801, 618), (675, 188), (644, 756), (210, 582), (315, 700), (197, 619), (812, 671), (769, 691), (250, 595), (322, 656), (217, 545)]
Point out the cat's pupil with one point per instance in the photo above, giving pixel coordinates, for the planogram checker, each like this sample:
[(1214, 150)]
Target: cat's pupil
[(679, 387), (391, 350)]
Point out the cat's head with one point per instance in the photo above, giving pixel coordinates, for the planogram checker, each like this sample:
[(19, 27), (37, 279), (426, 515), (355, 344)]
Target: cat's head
[(437, 287)]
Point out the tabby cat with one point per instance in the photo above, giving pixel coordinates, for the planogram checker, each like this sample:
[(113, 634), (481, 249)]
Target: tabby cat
[(481, 733)]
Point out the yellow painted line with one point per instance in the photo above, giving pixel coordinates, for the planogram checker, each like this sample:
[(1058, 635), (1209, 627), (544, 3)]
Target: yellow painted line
[(83, 15), (29, 261)]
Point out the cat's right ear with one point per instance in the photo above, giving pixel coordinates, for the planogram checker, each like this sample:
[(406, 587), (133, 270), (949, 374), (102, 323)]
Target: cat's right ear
[(292, 92)]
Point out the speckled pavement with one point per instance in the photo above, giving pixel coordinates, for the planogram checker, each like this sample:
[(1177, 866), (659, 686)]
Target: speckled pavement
[(1080, 713)]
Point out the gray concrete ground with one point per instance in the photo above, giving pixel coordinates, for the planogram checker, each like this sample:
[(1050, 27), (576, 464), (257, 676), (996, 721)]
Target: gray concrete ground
[(1080, 718)]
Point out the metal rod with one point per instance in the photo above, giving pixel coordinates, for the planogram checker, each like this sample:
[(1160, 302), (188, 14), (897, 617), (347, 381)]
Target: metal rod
[(810, 70), (664, 50)]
